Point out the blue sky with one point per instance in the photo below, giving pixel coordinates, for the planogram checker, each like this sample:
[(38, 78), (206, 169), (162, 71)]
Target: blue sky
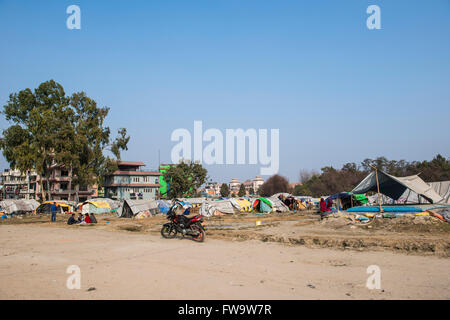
[(337, 91)]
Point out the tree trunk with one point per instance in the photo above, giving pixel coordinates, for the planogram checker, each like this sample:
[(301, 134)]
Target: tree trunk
[(49, 192), (41, 184), (70, 183)]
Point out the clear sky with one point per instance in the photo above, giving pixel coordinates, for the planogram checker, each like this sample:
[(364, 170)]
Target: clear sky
[(337, 91)]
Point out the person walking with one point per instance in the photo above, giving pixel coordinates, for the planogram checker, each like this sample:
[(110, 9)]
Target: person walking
[(54, 208)]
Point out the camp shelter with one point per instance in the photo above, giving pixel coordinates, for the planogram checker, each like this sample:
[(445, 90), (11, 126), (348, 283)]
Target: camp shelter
[(133, 208), (17, 207), (281, 194), (96, 207), (46, 207), (292, 202), (346, 200), (441, 187), (163, 206), (278, 205), (242, 205), (262, 205), (217, 208), (113, 204), (394, 187)]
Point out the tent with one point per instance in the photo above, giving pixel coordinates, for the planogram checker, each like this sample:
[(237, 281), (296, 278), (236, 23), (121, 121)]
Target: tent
[(262, 205), (113, 204), (394, 187), (441, 187), (17, 207), (97, 207), (139, 208), (163, 206), (46, 207), (346, 200), (242, 205), (217, 208), (278, 205)]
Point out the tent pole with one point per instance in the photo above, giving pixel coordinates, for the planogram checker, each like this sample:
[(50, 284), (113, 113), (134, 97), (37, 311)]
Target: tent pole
[(378, 187)]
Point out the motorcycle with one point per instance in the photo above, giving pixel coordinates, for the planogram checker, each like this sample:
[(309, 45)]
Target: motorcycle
[(193, 227)]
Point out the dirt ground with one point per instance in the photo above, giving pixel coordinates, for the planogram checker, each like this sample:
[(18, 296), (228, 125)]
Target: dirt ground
[(286, 257)]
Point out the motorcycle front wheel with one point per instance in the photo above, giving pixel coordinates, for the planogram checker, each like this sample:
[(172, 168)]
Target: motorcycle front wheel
[(168, 232)]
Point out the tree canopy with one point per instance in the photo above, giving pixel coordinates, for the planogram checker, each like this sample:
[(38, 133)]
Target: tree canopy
[(242, 192), (49, 128), (184, 179), (224, 190), (274, 184)]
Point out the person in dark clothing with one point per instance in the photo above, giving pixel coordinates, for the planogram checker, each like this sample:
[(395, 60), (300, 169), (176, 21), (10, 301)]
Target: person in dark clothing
[(71, 219), (54, 208), (93, 219)]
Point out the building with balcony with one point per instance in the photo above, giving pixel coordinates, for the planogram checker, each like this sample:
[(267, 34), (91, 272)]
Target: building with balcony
[(130, 182), (18, 185)]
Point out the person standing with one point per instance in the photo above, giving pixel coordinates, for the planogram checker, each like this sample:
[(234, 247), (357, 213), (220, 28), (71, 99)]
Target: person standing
[(323, 205), (54, 209)]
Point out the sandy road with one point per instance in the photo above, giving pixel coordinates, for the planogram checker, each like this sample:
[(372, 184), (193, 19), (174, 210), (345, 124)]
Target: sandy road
[(119, 265)]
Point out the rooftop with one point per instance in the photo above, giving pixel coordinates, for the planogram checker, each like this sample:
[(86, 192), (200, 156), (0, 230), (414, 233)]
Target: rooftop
[(131, 163)]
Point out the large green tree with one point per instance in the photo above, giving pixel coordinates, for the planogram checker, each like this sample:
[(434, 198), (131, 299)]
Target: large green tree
[(49, 128), (184, 179)]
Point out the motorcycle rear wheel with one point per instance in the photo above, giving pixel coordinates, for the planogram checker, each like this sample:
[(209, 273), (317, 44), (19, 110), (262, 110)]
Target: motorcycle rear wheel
[(201, 235), (168, 232)]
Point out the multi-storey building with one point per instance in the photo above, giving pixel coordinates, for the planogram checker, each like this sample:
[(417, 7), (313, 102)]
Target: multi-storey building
[(18, 185), (211, 189), (130, 182), (59, 181), (234, 186), (257, 183)]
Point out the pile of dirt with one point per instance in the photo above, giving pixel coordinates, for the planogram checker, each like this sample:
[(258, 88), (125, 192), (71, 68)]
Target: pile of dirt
[(411, 223), (405, 224)]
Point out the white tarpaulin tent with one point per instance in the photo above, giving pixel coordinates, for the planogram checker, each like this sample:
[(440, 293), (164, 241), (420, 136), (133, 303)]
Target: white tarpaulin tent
[(218, 207), (441, 187), (278, 205), (395, 187), (133, 208), (18, 206)]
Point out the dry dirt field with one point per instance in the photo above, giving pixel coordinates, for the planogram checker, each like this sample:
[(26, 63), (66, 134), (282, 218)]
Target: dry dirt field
[(286, 257)]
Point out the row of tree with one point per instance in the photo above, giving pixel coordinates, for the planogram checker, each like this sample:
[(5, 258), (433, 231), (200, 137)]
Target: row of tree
[(48, 127), (331, 180), (188, 177)]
